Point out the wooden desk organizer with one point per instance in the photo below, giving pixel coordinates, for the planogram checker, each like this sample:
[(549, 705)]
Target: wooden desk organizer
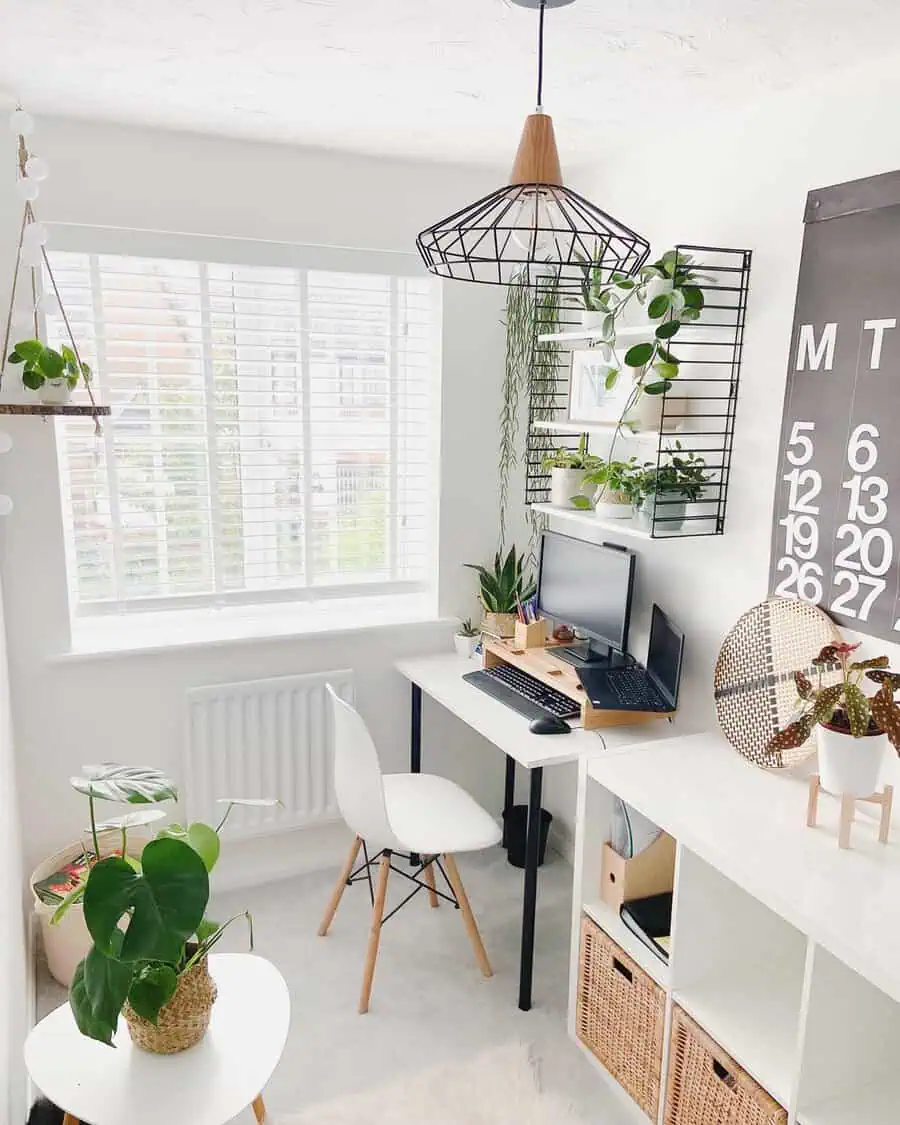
[(650, 872), (530, 636), (556, 673)]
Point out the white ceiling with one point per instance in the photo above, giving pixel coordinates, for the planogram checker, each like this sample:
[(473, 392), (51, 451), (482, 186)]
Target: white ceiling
[(432, 78)]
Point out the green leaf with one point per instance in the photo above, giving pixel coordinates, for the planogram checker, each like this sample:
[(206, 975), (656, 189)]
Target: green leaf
[(67, 354), (626, 283), (659, 306), (166, 901), (639, 355), (206, 929), (659, 388), (205, 842), (30, 350), (803, 685), (98, 990), (826, 703), (137, 785), (32, 379), (872, 662), (14, 357), (886, 713), (581, 502), (693, 297), (666, 370), (611, 378), (51, 364), (131, 820), (792, 736), (858, 712), (689, 314), (666, 356), (668, 330), (153, 985)]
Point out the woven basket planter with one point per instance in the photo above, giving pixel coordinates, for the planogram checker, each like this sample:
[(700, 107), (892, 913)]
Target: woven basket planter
[(183, 1021)]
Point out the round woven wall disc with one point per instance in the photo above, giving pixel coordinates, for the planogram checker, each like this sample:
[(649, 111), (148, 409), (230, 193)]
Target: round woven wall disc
[(754, 680)]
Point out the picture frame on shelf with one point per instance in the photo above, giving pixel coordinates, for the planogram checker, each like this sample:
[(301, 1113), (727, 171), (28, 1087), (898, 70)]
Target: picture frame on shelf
[(590, 401)]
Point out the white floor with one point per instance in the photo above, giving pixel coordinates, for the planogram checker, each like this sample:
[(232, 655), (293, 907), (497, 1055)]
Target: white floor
[(429, 1003)]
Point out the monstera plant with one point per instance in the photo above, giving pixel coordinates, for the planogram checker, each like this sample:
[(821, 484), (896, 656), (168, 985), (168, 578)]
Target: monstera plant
[(146, 917)]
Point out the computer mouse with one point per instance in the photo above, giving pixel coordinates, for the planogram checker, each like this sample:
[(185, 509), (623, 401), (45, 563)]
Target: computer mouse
[(549, 724)]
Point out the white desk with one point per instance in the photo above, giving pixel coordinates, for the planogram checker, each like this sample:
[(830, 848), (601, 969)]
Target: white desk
[(441, 678), (783, 946)]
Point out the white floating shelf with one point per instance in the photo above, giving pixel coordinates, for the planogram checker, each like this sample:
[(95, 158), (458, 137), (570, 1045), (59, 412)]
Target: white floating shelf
[(623, 527), (611, 923), (645, 331), (565, 426)]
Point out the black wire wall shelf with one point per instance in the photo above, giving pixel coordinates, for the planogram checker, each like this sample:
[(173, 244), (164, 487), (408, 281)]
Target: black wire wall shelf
[(698, 412)]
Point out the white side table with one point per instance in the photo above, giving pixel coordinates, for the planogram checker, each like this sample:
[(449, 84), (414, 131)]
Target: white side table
[(206, 1085)]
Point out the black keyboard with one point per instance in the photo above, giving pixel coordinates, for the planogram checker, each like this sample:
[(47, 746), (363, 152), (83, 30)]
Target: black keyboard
[(523, 693), (632, 686)]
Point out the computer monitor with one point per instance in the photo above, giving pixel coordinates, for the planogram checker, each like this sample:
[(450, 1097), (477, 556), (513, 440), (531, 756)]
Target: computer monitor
[(587, 586)]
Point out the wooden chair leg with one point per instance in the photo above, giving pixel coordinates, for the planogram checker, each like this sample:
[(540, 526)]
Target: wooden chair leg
[(339, 887), (259, 1109), (429, 879), (468, 917), (375, 933), (68, 1119)]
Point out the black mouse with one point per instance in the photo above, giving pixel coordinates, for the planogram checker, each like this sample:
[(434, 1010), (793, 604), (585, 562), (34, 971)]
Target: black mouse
[(549, 724)]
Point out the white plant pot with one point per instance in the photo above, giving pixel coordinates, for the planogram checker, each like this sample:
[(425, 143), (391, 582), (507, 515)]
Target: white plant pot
[(54, 392), (465, 646), (612, 506), (564, 484), (592, 319), (673, 512), (848, 765)]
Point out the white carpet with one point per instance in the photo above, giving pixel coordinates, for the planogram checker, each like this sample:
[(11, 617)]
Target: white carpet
[(498, 1087)]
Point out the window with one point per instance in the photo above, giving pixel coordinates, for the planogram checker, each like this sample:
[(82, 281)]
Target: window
[(273, 432)]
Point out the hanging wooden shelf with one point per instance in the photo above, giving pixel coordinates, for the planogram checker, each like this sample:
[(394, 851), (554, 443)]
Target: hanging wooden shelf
[(45, 409)]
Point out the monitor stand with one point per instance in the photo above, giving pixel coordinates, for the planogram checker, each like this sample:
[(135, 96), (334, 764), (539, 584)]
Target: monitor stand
[(584, 655)]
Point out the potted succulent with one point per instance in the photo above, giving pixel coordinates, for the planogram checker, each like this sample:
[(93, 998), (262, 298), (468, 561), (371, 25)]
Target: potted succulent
[(661, 492), (53, 374), (147, 921), (568, 469), (613, 484), (467, 637), (503, 587), (852, 729)]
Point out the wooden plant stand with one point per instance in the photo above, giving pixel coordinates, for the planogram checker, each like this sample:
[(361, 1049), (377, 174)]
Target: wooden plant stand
[(848, 811), (556, 673)]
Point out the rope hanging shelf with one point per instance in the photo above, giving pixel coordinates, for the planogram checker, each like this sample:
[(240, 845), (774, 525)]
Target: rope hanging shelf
[(31, 256)]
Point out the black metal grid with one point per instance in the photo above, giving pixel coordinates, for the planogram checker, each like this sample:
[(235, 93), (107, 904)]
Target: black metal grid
[(703, 398)]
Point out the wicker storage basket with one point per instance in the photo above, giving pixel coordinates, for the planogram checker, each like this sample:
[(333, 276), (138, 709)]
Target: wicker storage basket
[(706, 1086), (621, 1017), (183, 1021)]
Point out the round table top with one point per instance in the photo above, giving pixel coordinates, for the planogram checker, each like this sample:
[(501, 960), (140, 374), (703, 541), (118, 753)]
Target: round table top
[(206, 1085)]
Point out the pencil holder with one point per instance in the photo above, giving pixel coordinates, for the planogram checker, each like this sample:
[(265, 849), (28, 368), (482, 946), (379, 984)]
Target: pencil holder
[(531, 636)]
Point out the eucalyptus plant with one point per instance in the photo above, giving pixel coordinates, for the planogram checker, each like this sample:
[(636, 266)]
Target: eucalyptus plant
[(163, 896)]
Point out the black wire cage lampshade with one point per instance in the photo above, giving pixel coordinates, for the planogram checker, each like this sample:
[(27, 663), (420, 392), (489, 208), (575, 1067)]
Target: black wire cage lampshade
[(534, 230)]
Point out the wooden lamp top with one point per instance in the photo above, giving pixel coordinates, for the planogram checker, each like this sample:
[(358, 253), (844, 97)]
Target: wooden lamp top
[(537, 158)]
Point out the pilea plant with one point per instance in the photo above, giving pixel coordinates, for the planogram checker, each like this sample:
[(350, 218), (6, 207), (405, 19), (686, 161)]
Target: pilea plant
[(162, 896), (42, 364), (843, 706), (611, 476)]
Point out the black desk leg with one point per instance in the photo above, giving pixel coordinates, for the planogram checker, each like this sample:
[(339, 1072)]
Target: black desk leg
[(532, 851), (509, 796), (415, 743)]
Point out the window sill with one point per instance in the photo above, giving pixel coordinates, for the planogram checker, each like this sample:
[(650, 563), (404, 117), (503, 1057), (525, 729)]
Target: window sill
[(98, 637)]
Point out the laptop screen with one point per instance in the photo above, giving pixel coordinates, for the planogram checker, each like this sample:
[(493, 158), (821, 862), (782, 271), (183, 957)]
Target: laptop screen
[(664, 656)]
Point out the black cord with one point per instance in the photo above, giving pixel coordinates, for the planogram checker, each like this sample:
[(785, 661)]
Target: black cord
[(540, 83)]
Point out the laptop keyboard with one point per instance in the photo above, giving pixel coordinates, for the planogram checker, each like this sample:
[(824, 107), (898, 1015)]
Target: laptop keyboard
[(630, 686)]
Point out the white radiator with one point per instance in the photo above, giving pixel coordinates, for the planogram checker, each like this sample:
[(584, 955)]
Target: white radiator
[(262, 738)]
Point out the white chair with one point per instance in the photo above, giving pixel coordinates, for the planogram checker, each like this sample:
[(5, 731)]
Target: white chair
[(410, 814)]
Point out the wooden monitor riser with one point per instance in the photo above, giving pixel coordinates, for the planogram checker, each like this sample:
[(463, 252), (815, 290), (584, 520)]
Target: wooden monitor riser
[(556, 673)]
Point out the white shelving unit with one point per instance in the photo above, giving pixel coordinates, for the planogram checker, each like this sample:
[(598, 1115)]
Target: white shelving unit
[(623, 527), (783, 947), (607, 429), (588, 334)]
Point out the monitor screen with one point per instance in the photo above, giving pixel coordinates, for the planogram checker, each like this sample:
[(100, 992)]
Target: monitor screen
[(587, 586), (665, 653)]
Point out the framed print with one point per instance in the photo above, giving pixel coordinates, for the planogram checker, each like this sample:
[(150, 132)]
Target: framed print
[(589, 400)]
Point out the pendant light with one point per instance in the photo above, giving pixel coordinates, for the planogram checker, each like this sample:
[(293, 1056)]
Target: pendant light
[(535, 229)]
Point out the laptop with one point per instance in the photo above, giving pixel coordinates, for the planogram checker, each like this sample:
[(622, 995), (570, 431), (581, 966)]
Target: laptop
[(634, 688)]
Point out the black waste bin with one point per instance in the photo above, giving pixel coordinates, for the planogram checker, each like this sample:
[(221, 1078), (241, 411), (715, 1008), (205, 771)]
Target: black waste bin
[(515, 831)]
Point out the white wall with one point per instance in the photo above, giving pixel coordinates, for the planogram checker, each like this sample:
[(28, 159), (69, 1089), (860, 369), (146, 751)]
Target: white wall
[(130, 708), (741, 181)]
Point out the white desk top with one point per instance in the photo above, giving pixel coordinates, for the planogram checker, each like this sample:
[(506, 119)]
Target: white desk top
[(206, 1085), (751, 826), (441, 677)]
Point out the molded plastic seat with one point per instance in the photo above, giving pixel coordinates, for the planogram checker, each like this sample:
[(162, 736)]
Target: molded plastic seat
[(433, 815)]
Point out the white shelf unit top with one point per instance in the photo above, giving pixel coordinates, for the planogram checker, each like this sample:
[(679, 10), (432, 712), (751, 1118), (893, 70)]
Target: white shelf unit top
[(629, 527), (613, 926), (873, 1104), (643, 331)]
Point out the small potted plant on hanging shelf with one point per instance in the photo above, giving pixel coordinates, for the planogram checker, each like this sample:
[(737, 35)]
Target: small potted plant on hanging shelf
[(466, 638), (612, 484), (53, 374), (660, 493), (852, 729), (568, 469), (504, 586)]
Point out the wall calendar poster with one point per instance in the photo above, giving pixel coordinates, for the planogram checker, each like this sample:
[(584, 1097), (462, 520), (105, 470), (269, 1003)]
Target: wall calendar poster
[(836, 527)]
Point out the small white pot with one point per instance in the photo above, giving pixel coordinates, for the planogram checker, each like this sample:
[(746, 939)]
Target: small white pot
[(465, 646), (54, 392), (847, 765), (671, 511), (612, 506), (592, 319), (564, 484)]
